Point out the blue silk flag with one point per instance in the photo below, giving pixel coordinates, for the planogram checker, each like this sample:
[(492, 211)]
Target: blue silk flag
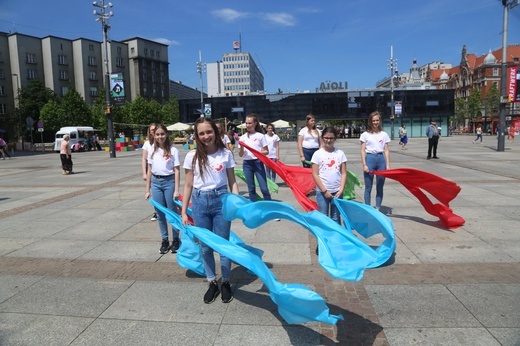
[(296, 303)]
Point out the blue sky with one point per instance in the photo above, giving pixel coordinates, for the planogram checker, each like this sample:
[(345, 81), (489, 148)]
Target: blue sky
[(297, 44)]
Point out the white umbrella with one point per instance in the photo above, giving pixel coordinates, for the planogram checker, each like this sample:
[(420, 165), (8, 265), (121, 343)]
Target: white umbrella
[(243, 125), (178, 127), (281, 124)]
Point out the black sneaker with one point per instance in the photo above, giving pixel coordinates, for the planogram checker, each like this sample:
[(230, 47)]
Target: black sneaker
[(176, 244), (212, 292), (227, 294), (165, 245)]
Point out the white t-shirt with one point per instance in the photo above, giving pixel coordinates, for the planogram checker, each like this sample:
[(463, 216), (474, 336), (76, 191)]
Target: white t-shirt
[(310, 140), (162, 165), (226, 140), (256, 141), (271, 142), (329, 165), (215, 174), (375, 142), (147, 146)]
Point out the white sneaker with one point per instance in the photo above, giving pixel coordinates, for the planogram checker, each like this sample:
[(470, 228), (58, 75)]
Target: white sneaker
[(154, 217)]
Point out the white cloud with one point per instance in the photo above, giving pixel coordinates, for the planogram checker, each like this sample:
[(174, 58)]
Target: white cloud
[(166, 41), (229, 15), (284, 19)]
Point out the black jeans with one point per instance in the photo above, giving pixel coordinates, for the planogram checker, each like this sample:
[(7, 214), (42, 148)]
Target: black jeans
[(432, 144)]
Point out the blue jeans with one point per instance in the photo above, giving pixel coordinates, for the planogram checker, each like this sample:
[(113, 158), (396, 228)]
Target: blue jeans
[(307, 153), (162, 192), (375, 162), (326, 206), (271, 174), (207, 213), (256, 168)]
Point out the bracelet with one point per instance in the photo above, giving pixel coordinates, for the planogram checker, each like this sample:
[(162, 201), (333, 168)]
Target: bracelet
[(324, 192)]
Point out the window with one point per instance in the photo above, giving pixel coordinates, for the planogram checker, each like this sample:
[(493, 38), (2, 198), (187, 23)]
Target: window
[(132, 50), (3, 108), (64, 90), (93, 91), (119, 62), (92, 75), (1, 73), (62, 59), (154, 92), (146, 51), (153, 64), (92, 61), (145, 91), (152, 53), (30, 58), (64, 75), (159, 55), (118, 51), (2, 90), (495, 71), (143, 63), (31, 74), (153, 78), (145, 78), (90, 47)]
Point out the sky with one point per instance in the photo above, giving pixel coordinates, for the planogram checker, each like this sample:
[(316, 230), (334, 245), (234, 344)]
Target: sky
[(297, 44)]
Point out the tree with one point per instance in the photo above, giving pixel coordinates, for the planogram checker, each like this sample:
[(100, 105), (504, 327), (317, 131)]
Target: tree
[(493, 101), (170, 111), (461, 112), (52, 115), (32, 98), (474, 103), (76, 111)]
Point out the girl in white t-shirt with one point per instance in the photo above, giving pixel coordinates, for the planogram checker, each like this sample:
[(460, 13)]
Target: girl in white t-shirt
[(329, 170), (224, 136), (273, 143), (209, 170), (375, 156), (308, 140), (147, 146), (162, 182), (252, 165)]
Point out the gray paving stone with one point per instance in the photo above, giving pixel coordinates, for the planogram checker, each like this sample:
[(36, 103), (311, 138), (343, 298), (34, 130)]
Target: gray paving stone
[(506, 336), (440, 336), (56, 248), (123, 251), (266, 335), (10, 285)]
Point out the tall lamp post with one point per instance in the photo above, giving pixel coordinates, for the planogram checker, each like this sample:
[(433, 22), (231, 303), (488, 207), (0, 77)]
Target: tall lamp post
[(103, 17), (503, 81), (201, 68), (392, 66)]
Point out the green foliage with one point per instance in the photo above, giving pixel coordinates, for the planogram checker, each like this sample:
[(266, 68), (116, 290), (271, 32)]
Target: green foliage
[(461, 111), (493, 101), (170, 111), (75, 109), (474, 103), (53, 116)]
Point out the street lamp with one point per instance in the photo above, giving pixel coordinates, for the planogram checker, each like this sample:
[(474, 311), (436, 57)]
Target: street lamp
[(201, 68), (103, 17), (392, 65), (503, 82)]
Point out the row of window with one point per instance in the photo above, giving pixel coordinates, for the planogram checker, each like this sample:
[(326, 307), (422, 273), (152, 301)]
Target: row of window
[(237, 58), (236, 87), (152, 52), (236, 80), (154, 92), (236, 73), (231, 66)]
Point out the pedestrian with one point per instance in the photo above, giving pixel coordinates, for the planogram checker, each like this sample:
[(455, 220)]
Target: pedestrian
[(403, 135), (308, 140), (252, 166), (375, 156), (329, 171), (210, 170), (3, 149), (432, 133), (479, 134), (273, 144), (66, 156), (223, 136), (511, 131), (162, 183), (147, 147)]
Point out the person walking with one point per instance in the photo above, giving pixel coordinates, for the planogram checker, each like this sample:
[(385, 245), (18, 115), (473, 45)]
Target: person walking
[(3, 149), (66, 155), (479, 134), (403, 135), (308, 140), (162, 183), (329, 171), (432, 133), (375, 156), (273, 144), (210, 170), (252, 166), (147, 147)]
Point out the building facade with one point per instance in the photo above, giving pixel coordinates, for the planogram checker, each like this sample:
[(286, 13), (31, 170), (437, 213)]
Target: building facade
[(182, 91), (236, 75), (62, 64)]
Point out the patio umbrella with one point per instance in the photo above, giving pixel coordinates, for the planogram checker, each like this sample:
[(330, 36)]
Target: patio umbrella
[(178, 127), (243, 125), (280, 124)]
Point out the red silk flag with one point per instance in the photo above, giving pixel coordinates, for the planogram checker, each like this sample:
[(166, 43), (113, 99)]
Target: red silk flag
[(442, 189), (298, 179)]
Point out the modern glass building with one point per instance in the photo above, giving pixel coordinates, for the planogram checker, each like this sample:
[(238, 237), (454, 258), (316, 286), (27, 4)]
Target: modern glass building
[(350, 108)]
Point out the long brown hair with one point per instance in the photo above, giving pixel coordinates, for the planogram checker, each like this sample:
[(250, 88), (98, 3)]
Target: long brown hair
[(309, 129), (370, 126), (258, 127), (201, 154), (150, 135), (167, 144)]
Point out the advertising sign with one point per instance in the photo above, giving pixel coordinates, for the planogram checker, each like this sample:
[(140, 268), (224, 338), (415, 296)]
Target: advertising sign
[(117, 89)]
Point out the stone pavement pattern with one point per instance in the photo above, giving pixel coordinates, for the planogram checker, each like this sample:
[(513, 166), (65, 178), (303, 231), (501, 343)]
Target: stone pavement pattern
[(79, 261)]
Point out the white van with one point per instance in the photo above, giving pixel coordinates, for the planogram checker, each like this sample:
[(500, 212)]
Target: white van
[(76, 134)]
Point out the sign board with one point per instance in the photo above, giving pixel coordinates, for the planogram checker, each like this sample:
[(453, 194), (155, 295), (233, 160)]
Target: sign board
[(398, 107), (29, 121), (237, 109), (40, 129), (207, 109), (117, 89), (40, 124)]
